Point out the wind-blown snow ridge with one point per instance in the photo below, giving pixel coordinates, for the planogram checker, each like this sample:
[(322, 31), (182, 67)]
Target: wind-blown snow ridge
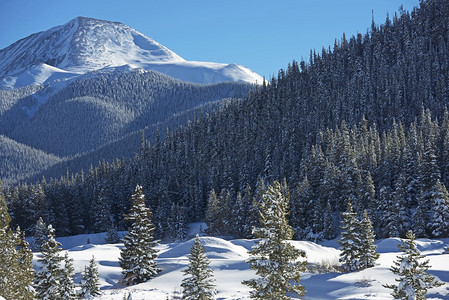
[(85, 44)]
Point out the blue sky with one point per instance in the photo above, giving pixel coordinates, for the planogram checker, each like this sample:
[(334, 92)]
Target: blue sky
[(262, 35)]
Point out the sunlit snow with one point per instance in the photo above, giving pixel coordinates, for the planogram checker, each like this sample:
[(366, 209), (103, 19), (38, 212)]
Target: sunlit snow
[(228, 262)]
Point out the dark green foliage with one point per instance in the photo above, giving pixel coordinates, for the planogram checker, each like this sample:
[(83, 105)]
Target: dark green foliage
[(273, 258), (49, 278), (90, 285), (66, 284), (177, 226), (112, 235), (350, 242), (40, 234), (357, 241), (137, 258), (368, 254), (413, 281), (351, 121), (329, 231), (16, 271), (198, 283)]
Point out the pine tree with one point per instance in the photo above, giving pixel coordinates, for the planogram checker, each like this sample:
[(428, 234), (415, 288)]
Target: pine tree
[(112, 235), (7, 259), (420, 224), (137, 258), (177, 228), (40, 234), (368, 254), (90, 285), (24, 287), (16, 268), (48, 278), (329, 231), (350, 242), (273, 257), (401, 203), (67, 286), (101, 212), (213, 214), (413, 281), (198, 285), (440, 211)]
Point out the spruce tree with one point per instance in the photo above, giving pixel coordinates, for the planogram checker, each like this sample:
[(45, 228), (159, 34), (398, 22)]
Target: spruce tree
[(413, 281), (273, 258), (440, 211), (112, 235), (213, 214), (198, 285), (137, 258), (16, 268), (329, 231), (40, 234), (368, 254), (90, 285), (48, 278), (24, 287), (350, 242), (67, 286)]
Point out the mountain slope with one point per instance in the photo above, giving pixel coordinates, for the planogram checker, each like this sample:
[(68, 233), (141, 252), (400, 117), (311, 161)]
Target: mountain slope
[(90, 112), (19, 161), (84, 44)]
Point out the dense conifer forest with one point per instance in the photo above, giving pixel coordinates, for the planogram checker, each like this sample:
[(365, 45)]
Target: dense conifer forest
[(97, 117), (364, 121)]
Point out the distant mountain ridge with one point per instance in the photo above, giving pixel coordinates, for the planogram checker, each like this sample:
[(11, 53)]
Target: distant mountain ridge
[(82, 92), (85, 44)]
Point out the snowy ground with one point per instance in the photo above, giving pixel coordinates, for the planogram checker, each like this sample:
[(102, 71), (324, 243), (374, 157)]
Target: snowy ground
[(228, 262)]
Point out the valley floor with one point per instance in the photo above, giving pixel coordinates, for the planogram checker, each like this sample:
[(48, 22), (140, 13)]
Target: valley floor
[(228, 262)]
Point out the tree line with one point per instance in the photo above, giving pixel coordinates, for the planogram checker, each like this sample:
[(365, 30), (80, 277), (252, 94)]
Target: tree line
[(366, 120)]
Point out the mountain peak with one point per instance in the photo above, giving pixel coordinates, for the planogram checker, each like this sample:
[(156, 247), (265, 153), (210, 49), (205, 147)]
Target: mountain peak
[(86, 44)]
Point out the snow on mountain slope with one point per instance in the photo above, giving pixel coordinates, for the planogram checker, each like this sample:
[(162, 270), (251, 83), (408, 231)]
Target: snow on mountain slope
[(86, 44)]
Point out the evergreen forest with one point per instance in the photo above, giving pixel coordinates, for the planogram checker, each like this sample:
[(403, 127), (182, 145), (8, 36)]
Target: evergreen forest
[(364, 121)]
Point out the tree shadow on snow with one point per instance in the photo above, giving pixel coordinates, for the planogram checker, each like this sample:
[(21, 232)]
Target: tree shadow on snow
[(319, 286)]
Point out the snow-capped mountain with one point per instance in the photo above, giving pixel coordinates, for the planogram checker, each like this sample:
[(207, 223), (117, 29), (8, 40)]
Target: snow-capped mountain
[(84, 44)]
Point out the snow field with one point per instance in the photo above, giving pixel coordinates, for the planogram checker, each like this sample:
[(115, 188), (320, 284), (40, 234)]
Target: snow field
[(228, 262)]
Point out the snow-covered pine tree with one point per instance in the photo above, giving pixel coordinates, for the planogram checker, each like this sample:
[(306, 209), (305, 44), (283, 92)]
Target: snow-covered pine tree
[(8, 275), (48, 278), (413, 281), (440, 211), (212, 213), (400, 200), (198, 285), (16, 268), (137, 258), (368, 254), (40, 234), (24, 287), (350, 240), (101, 212), (90, 285), (272, 256), (67, 286), (177, 227), (419, 220), (329, 231), (112, 235)]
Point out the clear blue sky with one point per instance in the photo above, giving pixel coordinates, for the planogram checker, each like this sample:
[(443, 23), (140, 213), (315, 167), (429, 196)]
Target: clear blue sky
[(262, 35)]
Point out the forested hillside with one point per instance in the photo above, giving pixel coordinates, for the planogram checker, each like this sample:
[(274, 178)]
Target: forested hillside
[(365, 120), (102, 110)]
